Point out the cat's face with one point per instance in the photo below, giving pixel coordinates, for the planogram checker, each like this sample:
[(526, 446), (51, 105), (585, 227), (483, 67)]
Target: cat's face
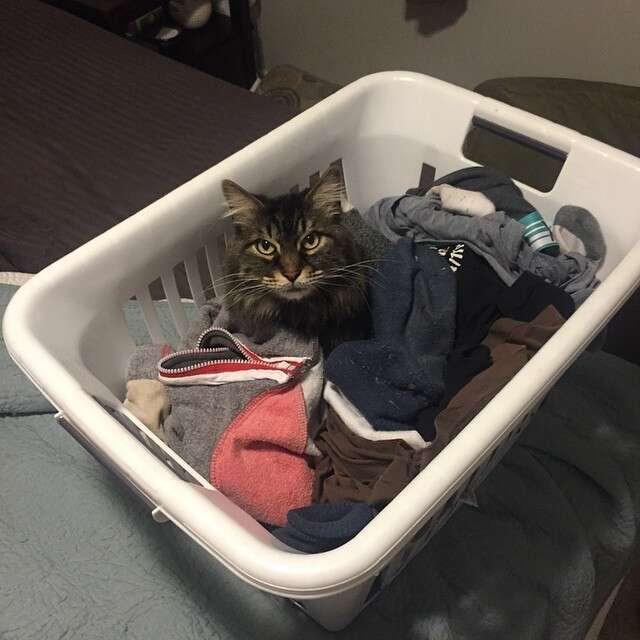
[(292, 247)]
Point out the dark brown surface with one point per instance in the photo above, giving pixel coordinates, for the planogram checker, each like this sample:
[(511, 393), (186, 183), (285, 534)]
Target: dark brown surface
[(104, 6), (602, 110), (110, 14), (95, 128), (223, 47), (623, 621)]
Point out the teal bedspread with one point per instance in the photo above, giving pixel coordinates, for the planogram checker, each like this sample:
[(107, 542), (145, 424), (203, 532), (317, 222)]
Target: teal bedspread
[(555, 530)]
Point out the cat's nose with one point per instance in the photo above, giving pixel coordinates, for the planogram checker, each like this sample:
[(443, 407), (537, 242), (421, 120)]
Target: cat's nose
[(291, 273)]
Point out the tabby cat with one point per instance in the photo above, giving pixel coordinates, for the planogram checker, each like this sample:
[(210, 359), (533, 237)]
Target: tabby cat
[(293, 264)]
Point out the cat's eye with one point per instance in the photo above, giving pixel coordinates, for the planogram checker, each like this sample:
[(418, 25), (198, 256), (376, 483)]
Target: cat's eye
[(265, 247), (310, 241)]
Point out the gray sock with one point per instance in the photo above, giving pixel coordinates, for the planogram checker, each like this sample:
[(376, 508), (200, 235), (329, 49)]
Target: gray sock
[(576, 230)]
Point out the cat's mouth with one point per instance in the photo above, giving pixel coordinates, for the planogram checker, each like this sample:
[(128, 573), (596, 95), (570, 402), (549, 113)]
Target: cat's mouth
[(293, 291)]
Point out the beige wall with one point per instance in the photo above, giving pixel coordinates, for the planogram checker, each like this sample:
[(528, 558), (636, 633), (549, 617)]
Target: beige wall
[(462, 41)]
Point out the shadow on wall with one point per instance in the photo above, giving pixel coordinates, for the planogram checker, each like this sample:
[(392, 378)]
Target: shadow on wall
[(434, 15)]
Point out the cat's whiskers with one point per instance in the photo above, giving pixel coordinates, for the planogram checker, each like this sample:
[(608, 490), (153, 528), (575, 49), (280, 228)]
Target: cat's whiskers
[(255, 292), (233, 273), (219, 282), (345, 279), (362, 292), (222, 283), (227, 281), (242, 289), (248, 287), (242, 283), (355, 268), (234, 277)]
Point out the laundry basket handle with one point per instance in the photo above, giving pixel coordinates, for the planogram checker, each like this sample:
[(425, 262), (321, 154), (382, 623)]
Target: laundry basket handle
[(520, 138), (526, 128)]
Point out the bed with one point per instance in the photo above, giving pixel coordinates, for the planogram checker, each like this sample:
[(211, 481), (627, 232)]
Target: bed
[(96, 128)]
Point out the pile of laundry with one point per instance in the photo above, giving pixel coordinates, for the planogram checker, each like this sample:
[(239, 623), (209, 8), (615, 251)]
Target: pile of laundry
[(470, 283)]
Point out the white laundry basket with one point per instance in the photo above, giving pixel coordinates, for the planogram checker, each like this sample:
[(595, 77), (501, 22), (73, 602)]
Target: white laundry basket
[(65, 328)]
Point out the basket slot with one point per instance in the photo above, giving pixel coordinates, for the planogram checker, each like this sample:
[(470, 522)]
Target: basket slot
[(427, 176), (314, 178), (175, 304), (205, 276), (150, 317), (195, 281), (213, 251), (337, 164)]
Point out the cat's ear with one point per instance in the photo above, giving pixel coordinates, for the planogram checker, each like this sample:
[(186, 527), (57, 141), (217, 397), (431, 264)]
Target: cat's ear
[(242, 206), (329, 195)]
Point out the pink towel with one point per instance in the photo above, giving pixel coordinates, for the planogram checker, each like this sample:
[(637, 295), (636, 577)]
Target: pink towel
[(259, 462)]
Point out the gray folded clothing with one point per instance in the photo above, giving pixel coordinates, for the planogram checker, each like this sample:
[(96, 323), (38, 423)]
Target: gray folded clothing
[(496, 237), (200, 414), (198, 427)]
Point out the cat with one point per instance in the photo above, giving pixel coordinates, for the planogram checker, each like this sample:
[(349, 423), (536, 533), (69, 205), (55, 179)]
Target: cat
[(292, 264)]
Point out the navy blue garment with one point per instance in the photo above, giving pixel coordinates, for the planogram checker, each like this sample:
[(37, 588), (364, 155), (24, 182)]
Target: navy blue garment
[(400, 372), (482, 298), (322, 527)]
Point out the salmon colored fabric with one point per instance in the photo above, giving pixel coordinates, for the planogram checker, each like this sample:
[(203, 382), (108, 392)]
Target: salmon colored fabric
[(259, 462)]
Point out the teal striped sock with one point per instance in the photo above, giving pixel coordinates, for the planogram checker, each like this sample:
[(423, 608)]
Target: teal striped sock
[(537, 234)]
